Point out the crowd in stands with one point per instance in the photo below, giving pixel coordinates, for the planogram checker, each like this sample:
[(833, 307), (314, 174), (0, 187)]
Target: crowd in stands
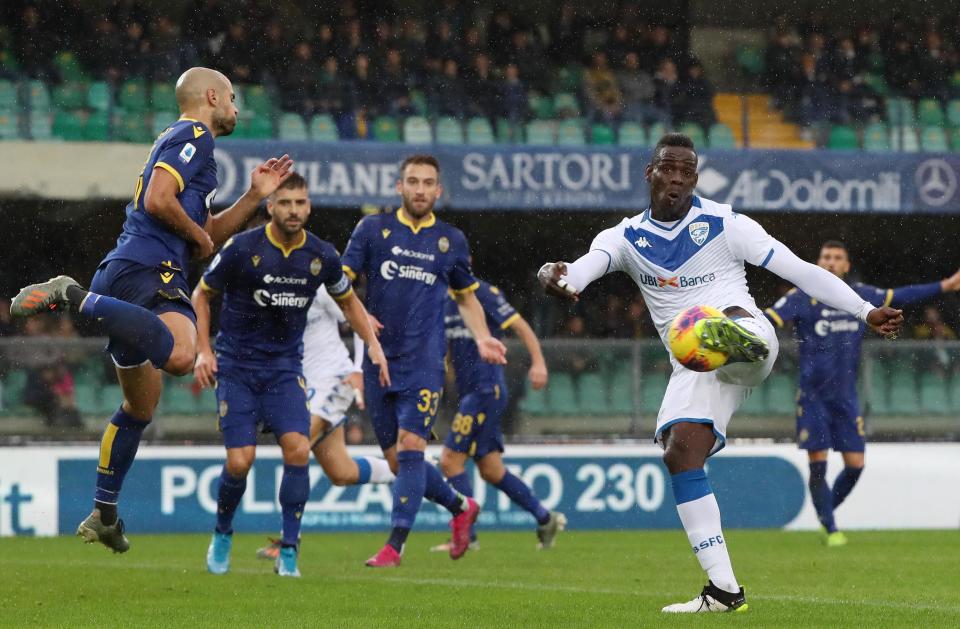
[(819, 73), (359, 59)]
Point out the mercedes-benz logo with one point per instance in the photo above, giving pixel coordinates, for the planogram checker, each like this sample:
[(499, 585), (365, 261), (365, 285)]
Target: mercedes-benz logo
[(936, 182)]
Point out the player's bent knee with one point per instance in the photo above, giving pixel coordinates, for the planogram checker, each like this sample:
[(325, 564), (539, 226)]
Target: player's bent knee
[(298, 454), (239, 468), (492, 475), (180, 362), (410, 441)]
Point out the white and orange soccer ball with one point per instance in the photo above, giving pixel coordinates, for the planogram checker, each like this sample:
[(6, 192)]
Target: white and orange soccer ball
[(685, 342)]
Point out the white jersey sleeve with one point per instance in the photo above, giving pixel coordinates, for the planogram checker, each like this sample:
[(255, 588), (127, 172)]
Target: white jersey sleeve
[(604, 257), (747, 239)]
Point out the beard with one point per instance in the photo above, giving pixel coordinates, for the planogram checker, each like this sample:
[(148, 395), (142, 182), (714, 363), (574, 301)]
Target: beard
[(224, 125), (417, 211)]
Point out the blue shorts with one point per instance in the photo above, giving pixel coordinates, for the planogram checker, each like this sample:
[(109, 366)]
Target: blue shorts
[(411, 405), (475, 430), (830, 423), (159, 289), (248, 399)]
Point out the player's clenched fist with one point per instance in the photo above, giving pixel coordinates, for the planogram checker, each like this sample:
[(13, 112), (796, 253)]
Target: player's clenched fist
[(550, 275), (886, 321), (205, 369)]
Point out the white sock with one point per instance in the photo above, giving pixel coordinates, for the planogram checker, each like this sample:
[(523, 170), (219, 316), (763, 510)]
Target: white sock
[(701, 521), (379, 470)]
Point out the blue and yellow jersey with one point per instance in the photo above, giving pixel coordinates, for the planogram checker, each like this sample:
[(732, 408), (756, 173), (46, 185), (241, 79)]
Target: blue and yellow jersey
[(409, 270), (829, 340), (474, 375), (267, 291), (185, 150)]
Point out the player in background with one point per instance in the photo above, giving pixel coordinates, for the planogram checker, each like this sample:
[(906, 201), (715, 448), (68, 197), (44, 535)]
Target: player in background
[(334, 381), (268, 277), (828, 410), (410, 260), (140, 293), (685, 251), (475, 432)]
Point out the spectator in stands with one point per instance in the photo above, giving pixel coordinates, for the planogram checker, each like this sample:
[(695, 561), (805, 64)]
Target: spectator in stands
[(325, 44), (448, 93), (641, 324), (619, 45), (499, 31), (513, 95), (693, 98), (482, 87), (933, 328), (363, 86), (933, 68), (473, 44), (413, 48), (661, 46), (384, 38), (236, 56), (298, 84), (104, 59), (169, 54), (664, 81), (274, 50), (614, 322), (31, 45), (566, 34), (780, 63), (395, 86), (526, 55), (442, 45), (601, 92), (814, 104), (134, 51), (576, 360), (902, 69), (49, 388), (333, 92)]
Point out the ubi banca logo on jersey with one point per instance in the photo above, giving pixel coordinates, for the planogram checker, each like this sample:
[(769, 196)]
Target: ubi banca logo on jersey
[(399, 251), (391, 270), (676, 281), (280, 279), (265, 298)]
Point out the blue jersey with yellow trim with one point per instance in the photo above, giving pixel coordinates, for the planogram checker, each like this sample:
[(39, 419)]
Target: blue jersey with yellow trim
[(829, 340), (474, 375), (185, 150), (409, 270), (267, 291)]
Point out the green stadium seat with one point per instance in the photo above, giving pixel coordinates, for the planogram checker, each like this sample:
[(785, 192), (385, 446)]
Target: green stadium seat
[(876, 138), (593, 394), (632, 134), (98, 96), (261, 128), (541, 106), (878, 395), (40, 125), (385, 129), (417, 130), (934, 139), (8, 96), (903, 396), (953, 113), (904, 139), (900, 112), (695, 132), (570, 132), (13, 385), (179, 400), (955, 139), (843, 137), (132, 96), (479, 132), (161, 120), (70, 96), (781, 394), (562, 394), (97, 127), (621, 391), (929, 113), (876, 82), (540, 132), (9, 126), (565, 105), (508, 132), (534, 402), (720, 136), (955, 394), (418, 100), (653, 385), (132, 127), (568, 78), (655, 132), (323, 128), (292, 127), (257, 100), (39, 96), (934, 394), (111, 396), (756, 402), (449, 131), (87, 399), (68, 67), (68, 125), (163, 97), (207, 402), (602, 135)]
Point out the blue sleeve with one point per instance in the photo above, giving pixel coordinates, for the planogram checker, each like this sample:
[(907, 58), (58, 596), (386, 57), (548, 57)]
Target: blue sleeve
[(786, 309), (461, 278), (897, 296), (186, 153), (218, 274), (354, 259), (498, 309), (334, 278)]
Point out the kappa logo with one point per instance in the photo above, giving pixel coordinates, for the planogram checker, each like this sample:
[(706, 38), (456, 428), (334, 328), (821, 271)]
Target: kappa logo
[(642, 243), (936, 182), (699, 232)]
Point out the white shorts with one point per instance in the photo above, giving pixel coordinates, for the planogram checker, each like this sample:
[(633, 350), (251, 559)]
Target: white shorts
[(329, 398), (712, 397)]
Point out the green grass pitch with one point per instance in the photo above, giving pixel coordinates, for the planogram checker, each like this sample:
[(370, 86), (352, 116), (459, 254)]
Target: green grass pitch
[(591, 579)]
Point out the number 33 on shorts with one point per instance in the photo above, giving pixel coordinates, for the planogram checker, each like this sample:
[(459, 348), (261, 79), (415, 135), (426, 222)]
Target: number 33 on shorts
[(429, 402)]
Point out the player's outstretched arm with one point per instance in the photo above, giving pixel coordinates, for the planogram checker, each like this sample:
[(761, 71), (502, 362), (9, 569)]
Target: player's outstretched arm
[(538, 366), (161, 202), (356, 316), (205, 369), (491, 349), (264, 180), (568, 280)]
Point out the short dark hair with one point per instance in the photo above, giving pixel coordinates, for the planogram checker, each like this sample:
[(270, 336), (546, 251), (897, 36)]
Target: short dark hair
[(419, 159), (834, 244), (672, 139), (294, 182)]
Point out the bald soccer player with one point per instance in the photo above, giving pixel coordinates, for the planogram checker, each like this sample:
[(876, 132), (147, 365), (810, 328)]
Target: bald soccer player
[(139, 293)]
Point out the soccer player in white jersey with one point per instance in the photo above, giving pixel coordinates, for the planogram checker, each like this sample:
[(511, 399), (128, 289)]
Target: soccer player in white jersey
[(334, 381), (686, 251)]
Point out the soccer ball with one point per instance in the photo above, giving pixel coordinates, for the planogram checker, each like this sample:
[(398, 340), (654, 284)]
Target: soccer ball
[(685, 342)]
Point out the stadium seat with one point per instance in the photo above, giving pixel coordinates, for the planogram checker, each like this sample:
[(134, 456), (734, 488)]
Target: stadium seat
[(602, 135), (40, 125), (39, 96), (934, 394), (565, 105), (479, 132), (534, 402), (179, 400), (929, 113), (541, 106), (292, 127), (781, 394), (323, 128), (843, 137), (87, 399), (756, 402), (207, 402), (68, 125), (955, 395), (695, 132), (652, 387), (9, 127), (632, 134), (720, 136), (98, 96), (132, 96), (68, 67), (418, 100), (570, 132), (900, 112), (904, 139), (8, 96), (955, 139), (508, 132), (111, 396), (655, 132), (621, 391), (449, 131), (13, 385), (540, 132), (876, 138), (953, 113), (416, 130), (903, 396), (562, 394), (593, 394), (257, 100), (261, 128), (97, 127), (161, 120), (163, 97), (934, 139), (70, 96), (132, 127), (385, 129)]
